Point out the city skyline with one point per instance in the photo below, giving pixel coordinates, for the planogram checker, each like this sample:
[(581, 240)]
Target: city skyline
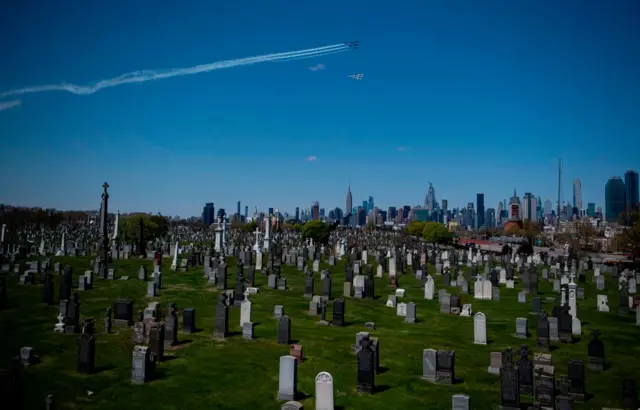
[(445, 97)]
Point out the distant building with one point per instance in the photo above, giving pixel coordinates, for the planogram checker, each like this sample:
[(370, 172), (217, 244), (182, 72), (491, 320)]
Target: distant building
[(480, 209), (208, 213), (591, 209), (349, 201), (421, 214), (514, 208), (615, 198), (529, 207), (631, 187), (577, 194), (315, 211), (548, 207)]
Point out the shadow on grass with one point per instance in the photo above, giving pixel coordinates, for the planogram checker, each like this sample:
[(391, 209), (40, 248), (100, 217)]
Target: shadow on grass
[(382, 370), (381, 388), (457, 380), (234, 333), (168, 358), (294, 341), (302, 396), (102, 369), (183, 342)]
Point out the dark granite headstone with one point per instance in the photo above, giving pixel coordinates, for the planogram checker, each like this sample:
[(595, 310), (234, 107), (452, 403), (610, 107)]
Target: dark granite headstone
[(366, 371), (509, 387), (445, 366), (284, 330), (123, 312), (156, 340), (338, 312), (189, 320), (87, 348), (596, 352), (525, 372), (629, 397), (576, 376), (221, 325)]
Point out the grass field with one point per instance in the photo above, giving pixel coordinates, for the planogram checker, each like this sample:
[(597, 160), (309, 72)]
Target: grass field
[(238, 374)]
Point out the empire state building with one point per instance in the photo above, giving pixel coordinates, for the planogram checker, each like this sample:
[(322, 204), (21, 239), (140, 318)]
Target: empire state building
[(349, 201)]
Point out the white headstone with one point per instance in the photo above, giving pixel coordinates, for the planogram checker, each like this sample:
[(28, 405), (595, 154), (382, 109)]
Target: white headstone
[(480, 329), (324, 391)]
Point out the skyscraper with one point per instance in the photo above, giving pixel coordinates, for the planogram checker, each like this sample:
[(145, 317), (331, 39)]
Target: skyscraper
[(514, 207), (297, 212), (577, 194), (548, 207), (208, 213), (499, 213), (591, 209), (480, 209), (349, 201), (614, 198), (529, 207), (246, 212), (430, 198), (445, 204), (238, 212), (371, 204), (315, 210), (631, 186)]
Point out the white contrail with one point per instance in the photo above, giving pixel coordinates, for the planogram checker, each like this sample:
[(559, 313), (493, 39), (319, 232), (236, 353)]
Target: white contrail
[(5, 105), (148, 75)]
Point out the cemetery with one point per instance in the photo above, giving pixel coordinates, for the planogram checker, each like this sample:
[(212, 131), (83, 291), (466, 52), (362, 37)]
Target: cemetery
[(238, 320)]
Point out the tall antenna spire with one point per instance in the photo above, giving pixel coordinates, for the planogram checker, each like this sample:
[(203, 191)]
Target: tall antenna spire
[(559, 192)]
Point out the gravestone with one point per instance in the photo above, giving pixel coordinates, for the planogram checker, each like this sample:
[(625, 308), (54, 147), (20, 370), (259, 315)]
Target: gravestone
[(284, 330), (143, 365), (365, 368), (480, 328), (123, 312), (429, 364), (522, 327), (596, 352), (629, 394), (87, 348), (509, 387), (324, 391), (445, 366), (221, 325), (171, 326), (577, 378), (338, 312), (189, 320), (525, 372), (460, 402), (287, 380)]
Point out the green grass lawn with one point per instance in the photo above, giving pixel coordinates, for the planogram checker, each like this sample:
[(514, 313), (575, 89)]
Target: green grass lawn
[(240, 374)]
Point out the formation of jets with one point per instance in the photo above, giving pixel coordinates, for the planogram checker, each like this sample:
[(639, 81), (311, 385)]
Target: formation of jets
[(354, 46)]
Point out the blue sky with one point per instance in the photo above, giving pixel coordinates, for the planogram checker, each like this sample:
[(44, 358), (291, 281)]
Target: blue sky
[(474, 96)]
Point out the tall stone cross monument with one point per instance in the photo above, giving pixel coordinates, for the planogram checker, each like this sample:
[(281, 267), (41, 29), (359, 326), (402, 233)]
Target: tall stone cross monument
[(104, 212)]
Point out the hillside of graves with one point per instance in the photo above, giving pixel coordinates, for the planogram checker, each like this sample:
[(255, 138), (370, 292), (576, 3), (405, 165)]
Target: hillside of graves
[(390, 334)]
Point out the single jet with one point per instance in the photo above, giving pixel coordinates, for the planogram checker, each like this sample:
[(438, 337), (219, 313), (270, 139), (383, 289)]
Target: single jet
[(357, 76)]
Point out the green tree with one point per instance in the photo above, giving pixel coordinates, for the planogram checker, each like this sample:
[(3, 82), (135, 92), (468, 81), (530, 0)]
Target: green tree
[(154, 226), (250, 226), (628, 238), (436, 233), (318, 231), (415, 228)]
